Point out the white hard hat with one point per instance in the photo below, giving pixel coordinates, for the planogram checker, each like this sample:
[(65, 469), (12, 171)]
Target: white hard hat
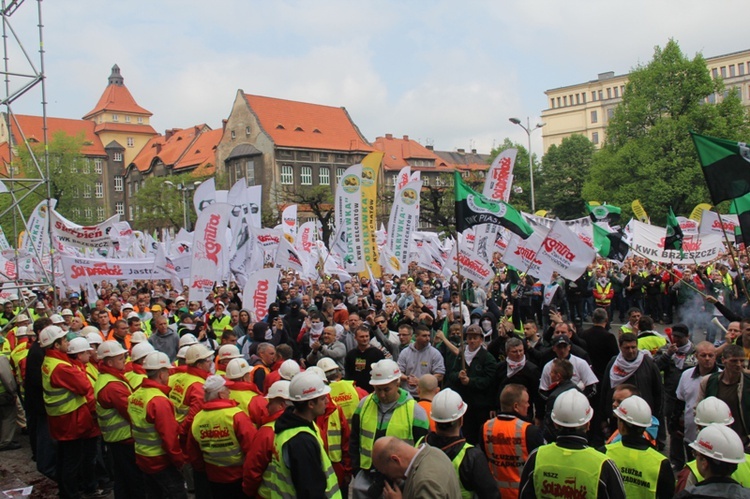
[(21, 331), (307, 386), (572, 409), (179, 299), (155, 361), (327, 364), (56, 319), (138, 337), (141, 350), (214, 383), (110, 348), (66, 312), (182, 352), (88, 330), (127, 306), (94, 338), (634, 410), (712, 410), (229, 352), (447, 406), (237, 368), (133, 315), (40, 304), (384, 372), (320, 372), (188, 339), (279, 389), (24, 318), (78, 345), (197, 352), (721, 443), (49, 335), (13, 297), (288, 369)]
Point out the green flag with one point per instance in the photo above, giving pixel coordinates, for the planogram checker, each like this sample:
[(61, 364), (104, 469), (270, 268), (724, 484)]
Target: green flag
[(473, 209), (741, 208), (726, 167), (674, 233), (604, 213), (610, 244)]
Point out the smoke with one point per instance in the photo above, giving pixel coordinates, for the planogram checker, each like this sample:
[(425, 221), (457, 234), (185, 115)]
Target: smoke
[(693, 314)]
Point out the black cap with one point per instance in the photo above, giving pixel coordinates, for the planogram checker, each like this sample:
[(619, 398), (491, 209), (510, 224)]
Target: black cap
[(560, 340), (680, 329)]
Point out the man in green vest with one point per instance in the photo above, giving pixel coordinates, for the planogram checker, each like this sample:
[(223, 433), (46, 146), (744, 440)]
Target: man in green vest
[(343, 391), (300, 466), (646, 473), (112, 391), (569, 467)]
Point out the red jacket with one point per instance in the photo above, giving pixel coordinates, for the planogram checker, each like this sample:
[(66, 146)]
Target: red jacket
[(258, 410), (259, 457), (193, 398), (115, 395), (136, 368), (345, 466), (246, 386), (243, 430), (80, 423), (160, 412)]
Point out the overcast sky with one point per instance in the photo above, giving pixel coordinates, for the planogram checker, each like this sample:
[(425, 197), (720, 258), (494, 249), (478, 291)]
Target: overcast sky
[(447, 72)]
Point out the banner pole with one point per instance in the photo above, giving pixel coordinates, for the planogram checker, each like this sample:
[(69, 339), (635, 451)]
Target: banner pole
[(731, 253), (670, 273), (462, 353)]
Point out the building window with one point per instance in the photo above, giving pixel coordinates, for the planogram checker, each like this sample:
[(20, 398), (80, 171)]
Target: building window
[(595, 138), (610, 113), (578, 98), (565, 100), (130, 189), (552, 103), (86, 191), (617, 92), (74, 166), (723, 71), (131, 142), (120, 208), (98, 166), (118, 183), (583, 95), (233, 134), (115, 118), (558, 102), (594, 117), (130, 212), (127, 119), (86, 166), (77, 212), (287, 175), (99, 188), (250, 171), (118, 157), (600, 95), (741, 68), (425, 180), (715, 73), (340, 158), (609, 93), (394, 179), (88, 212), (140, 120), (731, 70), (339, 174), (100, 213), (135, 187), (324, 175), (305, 176), (323, 157), (247, 130)]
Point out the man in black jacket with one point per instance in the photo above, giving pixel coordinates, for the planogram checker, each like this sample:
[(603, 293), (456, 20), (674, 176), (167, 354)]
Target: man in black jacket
[(42, 446), (517, 369)]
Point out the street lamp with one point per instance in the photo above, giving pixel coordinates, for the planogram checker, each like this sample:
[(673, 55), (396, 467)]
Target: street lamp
[(528, 131), (184, 189)]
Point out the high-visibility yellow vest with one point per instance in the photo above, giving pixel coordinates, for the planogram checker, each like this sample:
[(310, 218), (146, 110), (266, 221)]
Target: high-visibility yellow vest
[(333, 435), (92, 372), (741, 475), (560, 472), (345, 396), (134, 379), (178, 392), (639, 469), (264, 491), (506, 449), (399, 426), (243, 398), (218, 325), (603, 291), (214, 432), (280, 485), (58, 401), (16, 356), (5, 347), (148, 442), (115, 428), (456, 461)]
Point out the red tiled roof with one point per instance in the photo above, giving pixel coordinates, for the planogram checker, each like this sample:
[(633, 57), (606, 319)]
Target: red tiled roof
[(399, 152), (125, 127), (4, 158), (305, 125), (32, 130), (117, 98), (188, 147), (202, 151)]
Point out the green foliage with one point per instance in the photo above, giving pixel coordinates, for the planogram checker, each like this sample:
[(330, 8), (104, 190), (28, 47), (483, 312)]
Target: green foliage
[(437, 204), (564, 170), (318, 200), (648, 154), (158, 205)]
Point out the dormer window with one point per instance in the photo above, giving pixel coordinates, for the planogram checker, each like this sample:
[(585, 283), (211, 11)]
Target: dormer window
[(299, 129), (115, 118)]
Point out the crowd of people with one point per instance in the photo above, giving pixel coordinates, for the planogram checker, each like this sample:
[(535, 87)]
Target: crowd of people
[(413, 386)]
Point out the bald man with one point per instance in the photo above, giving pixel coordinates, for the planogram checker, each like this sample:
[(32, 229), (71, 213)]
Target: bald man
[(431, 473), (427, 388)]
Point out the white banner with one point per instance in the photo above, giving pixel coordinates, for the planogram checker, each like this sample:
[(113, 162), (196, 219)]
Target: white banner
[(269, 240), (688, 226), (3, 241), (287, 257), (289, 222), (648, 241), (260, 292), (522, 254), (710, 224), (205, 195), (209, 250), (403, 178), (77, 270), (254, 196), (583, 227), (473, 267), (71, 234), (403, 221), (36, 239), (565, 252), (500, 176), (349, 218)]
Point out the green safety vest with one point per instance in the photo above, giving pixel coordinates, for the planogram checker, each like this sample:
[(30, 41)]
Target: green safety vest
[(639, 469), (652, 343), (148, 442), (399, 426), (333, 435), (741, 475), (58, 401), (115, 428), (178, 392), (243, 398), (345, 396), (560, 472), (134, 379), (264, 490), (17, 355), (280, 483), (218, 325), (465, 494), (214, 432)]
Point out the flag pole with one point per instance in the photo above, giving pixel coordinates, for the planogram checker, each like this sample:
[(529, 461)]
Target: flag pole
[(461, 352), (731, 252)]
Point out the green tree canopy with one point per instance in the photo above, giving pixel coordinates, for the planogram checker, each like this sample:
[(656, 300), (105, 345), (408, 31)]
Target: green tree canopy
[(157, 205), (648, 153), (564, 170)]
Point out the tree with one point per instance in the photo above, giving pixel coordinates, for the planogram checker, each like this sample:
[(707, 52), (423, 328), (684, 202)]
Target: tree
[(437, 205), (160, 205), (319, 201), (564, 170), (648, 153)]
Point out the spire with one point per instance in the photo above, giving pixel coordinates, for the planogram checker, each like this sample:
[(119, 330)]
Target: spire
[(115, 78)]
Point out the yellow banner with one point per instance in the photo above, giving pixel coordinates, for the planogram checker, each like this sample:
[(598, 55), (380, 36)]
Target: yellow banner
[(697, 212), (639, 212), (370, 171)]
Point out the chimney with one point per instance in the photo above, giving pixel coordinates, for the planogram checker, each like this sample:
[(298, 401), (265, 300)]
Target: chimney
[(430, 147), (168, 134), (158, 148), (224, 125), (388, 136), (406, 138), (473, 151), (462, 151)]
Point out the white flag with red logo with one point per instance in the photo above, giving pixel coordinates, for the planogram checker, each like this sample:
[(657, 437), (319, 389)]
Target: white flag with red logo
[(563, 251), (260, 292), (500, 176), (523, 255), (209, 249), (289, 222)]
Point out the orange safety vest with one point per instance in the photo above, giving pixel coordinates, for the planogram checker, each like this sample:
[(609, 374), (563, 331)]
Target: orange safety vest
[(427, 406), (505, 446)]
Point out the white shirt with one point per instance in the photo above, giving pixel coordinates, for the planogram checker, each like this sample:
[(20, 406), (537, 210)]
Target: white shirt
[(583, 376), (688, 390)]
